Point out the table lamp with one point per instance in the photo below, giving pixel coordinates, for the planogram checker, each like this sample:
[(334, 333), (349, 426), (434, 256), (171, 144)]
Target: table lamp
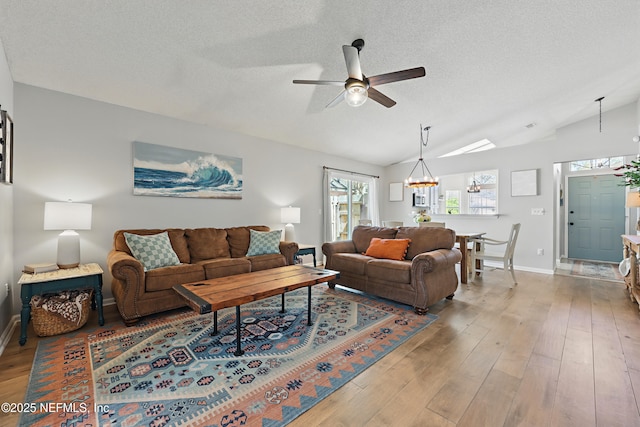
[(69, 217), (289, 216), (633, 201)]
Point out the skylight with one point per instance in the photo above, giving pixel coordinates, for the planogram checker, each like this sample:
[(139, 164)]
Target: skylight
[(475, 147)]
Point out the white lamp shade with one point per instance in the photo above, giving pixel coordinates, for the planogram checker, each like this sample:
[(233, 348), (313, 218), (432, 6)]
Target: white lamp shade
[(67, 216), (290, 215)]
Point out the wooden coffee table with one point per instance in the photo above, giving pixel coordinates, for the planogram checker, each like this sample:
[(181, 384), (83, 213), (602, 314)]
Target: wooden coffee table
[(215, 294)]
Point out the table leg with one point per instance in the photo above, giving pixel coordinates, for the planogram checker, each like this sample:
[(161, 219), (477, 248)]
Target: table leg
[(98, 302), (464, 272), (238, 351), (215, 322), (25, 313), (309, 322), (282, 309)]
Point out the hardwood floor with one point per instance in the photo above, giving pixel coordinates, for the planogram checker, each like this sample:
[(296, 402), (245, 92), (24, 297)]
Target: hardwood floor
[(550, 351)]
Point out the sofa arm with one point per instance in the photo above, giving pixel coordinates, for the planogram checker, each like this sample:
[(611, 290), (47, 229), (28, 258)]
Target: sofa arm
[(128, 283), (435, 260), (340, 246), (289, 249)]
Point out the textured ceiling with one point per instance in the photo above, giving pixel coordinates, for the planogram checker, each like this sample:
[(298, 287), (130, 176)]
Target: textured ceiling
[(493, 67)]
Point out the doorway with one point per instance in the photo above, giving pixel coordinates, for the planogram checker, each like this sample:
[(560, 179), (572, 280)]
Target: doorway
[(595, 217)]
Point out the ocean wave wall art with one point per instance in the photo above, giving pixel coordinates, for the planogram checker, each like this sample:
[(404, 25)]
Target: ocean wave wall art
[(159, 170)]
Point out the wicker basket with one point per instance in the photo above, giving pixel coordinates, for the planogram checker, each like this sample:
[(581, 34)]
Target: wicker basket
[(46, 323)]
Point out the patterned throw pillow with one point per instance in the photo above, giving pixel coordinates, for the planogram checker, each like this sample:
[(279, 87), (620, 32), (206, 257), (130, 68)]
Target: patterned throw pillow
[(264, 242), (153, 251)]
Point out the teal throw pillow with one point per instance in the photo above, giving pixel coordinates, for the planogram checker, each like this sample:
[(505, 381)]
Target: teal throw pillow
[(264, 242), (153, 251)]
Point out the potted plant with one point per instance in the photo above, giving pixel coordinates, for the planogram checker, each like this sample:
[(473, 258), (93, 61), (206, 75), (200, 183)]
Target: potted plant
[(630, 173), (631, 178), (421, 216)]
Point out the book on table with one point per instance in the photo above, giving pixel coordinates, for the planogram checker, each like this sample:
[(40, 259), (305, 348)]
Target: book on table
[(40, 267)]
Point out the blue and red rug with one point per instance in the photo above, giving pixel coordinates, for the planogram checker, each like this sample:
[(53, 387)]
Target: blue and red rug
[(171, 369)]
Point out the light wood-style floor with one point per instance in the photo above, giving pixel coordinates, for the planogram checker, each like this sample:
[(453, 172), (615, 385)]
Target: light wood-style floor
[(550, 351)]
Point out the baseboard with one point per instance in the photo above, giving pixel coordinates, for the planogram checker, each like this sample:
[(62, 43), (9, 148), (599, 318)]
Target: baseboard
[(8, 332), (520, 268)]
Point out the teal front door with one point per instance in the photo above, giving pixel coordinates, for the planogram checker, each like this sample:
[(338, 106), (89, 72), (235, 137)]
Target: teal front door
[(596, 217)]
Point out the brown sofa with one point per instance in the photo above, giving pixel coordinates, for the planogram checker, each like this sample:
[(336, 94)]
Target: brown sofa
[(204, 253), (425, 275)]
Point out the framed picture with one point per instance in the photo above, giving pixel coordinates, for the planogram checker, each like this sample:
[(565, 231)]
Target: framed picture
[(6, 141), (173, 172), (524, 183), (396, 192)]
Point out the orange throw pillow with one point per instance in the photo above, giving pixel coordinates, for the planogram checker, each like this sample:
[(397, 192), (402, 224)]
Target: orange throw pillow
[(388, 248)]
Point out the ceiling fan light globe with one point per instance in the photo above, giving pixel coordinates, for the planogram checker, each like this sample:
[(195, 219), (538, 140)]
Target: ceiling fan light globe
[(356, 96)]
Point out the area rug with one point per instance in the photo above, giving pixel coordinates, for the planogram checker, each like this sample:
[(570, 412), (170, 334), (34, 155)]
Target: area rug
[(172, 370), (596, 270)]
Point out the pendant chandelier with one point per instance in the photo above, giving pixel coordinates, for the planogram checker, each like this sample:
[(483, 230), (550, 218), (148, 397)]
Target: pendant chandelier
[(426, 180), (474, 187)]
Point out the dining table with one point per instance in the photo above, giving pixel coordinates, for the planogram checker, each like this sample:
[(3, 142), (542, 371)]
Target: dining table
[(463, 238)]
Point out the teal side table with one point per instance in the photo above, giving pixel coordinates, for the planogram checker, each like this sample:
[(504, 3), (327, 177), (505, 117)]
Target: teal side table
[(306, 250), (85, 276)]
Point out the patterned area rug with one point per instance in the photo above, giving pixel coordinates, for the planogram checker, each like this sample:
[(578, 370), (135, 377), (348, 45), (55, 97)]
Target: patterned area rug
[(597, 270), (171, 369)]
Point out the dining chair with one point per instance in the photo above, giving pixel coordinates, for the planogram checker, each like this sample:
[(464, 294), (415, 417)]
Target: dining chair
[(506, 256), (364, 222), (431, 224), (392, 224)]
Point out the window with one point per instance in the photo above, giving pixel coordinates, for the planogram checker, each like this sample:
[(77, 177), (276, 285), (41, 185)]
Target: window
[(452, 202), (454, 199), (607, 162)]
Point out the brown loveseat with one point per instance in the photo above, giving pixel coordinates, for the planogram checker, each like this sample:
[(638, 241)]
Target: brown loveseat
[(203, 253), (424, 276)]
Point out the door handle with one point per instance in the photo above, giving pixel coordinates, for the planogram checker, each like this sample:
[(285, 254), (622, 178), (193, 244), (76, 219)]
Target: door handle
[(570, 211), (570, 223)]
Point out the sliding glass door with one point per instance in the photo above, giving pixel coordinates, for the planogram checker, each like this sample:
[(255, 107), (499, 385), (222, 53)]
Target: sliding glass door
[(350, 199)]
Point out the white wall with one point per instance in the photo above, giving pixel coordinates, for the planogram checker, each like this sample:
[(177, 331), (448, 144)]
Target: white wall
[(75, 148), (581, 140), (6, 206)]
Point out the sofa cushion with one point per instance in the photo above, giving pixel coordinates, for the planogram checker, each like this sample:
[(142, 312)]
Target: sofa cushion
[(424, 239), (363, 234), (264, 262), (165, 278), (176, 235), (388, 248), (389, 270), (264, 242), (239, 238), (207, 243), (153, 251), (349, 262), (222, 267)]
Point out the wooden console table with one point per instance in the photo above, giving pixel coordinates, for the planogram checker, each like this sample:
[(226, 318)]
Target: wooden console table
[(631, 249)]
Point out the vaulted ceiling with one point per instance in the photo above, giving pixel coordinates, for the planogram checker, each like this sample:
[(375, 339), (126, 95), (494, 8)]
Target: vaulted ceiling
[(492, 67)]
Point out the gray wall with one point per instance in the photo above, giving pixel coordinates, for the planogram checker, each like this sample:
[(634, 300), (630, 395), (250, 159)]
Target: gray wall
[(79, 149), (581, 140), (6, 208)]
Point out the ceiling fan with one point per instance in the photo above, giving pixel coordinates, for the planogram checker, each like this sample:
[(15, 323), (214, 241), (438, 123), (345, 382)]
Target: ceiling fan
[(358, 87)]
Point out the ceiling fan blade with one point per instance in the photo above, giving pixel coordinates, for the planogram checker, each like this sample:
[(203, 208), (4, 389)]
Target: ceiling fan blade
[(380, 98), (396, 76), (319, 82), (337, 100), (353, 62)]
